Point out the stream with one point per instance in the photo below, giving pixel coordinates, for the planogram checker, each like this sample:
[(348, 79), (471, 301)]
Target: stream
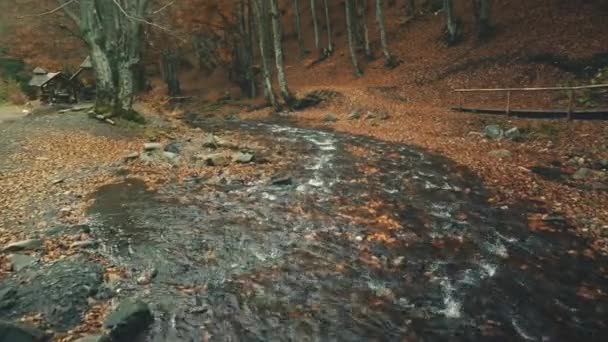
[(392, 244)]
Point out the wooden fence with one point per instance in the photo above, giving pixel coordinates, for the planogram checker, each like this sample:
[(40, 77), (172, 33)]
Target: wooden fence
[(510, 91)]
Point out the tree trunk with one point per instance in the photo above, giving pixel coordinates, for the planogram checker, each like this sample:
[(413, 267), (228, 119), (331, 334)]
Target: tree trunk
[(250, 29), (330, 44), (481, 16), (278, 53), (362, 11), (170, 73), (262, 34), (296, 8), (451, 24), (388, 58), (315, 22), (348, 5), (113, 40), (411, 8)]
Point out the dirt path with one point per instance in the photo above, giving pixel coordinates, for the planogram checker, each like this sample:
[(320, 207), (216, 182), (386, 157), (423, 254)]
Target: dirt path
[(9, 113)]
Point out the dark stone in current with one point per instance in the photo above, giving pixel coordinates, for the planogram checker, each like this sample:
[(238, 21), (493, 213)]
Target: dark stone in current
[(548, 172), (59, 292), (173, 147), (128, 320), (11, 332), (281, 179), (8, 297)]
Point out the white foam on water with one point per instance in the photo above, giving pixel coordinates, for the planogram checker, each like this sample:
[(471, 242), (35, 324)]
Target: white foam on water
[(316, 182), (521, 332), (489, 269), (453, 308)]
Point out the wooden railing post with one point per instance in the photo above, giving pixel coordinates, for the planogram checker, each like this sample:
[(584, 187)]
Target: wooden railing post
[(570, 103), (508, 103)]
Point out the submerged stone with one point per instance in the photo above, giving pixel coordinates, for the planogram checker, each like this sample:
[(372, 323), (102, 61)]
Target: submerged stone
[(129, 319), (12, 332), (24, 245)]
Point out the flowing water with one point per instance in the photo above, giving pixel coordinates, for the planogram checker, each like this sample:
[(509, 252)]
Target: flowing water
[(391, 244)]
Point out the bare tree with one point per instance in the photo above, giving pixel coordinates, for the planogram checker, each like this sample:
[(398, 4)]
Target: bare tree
[(296, 9), (452, 25), (278, 53), (112, 31), (481, 15), (262, 26), (348, 5), (330, 44), (362, 16), (388, 58), (315, 22)]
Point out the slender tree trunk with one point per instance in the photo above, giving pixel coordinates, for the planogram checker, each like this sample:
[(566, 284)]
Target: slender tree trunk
[(481, 16), (296, 8), (411, 8), (348, 5), (250, 29), (451, 25), (262, 34), (315, 22), (388, 58), (170, 73), (330, 44), (278, 53), (363, 19)]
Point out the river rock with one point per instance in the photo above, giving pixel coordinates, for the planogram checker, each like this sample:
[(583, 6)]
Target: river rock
[(152, 146), (493, 132), (354, 115), (24, 245), (242, 158), (211, 141), (214, 159), (329, 117), (513, 134), (128, 320), (501, 154), (8, 297), (170, 155), (173, 147), (94, 338), (84, 244), (131, 156), (281, 179), (12, 332), (582, 173), (60, 291), (20, 261)]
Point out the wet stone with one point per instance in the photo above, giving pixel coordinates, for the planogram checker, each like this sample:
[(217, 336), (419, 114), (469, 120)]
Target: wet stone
[(513, 134), (94, 338), (8, 297), (329, 117), (130, 318), (12, 332), (242, 158), (173, 147), (59, 292), (152, 146), (493, 132), (582, 173), (281, 179), (214, 159), (20, 261), (24, 245), (501, 154), (355, 115), (84, 244)]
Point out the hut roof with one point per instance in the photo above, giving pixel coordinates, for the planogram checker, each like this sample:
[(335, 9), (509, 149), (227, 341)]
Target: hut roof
[(87, 64), (40, 71), (40, 80)]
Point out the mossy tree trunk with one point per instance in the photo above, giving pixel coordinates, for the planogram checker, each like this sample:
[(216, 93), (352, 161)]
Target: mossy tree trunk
[(278, 53), (348, 5), (113, 38)]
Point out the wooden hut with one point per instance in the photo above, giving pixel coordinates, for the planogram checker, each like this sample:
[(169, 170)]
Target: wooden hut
[(52, 87)]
